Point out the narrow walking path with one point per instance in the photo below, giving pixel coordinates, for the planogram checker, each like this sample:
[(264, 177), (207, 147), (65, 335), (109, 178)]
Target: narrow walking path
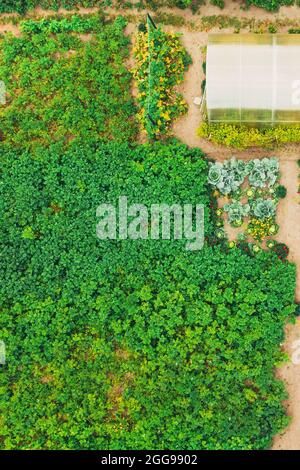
[(290, 374)]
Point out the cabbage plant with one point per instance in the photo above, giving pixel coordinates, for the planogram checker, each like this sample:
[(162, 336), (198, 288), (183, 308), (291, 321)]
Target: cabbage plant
[(263, 172), (227, 177), (264, 208), (236, 211)]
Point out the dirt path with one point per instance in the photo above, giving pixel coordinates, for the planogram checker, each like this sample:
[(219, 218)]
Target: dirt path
[(288, 216)]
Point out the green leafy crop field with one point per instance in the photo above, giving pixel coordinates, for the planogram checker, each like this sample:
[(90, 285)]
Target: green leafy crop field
[(63, 87)]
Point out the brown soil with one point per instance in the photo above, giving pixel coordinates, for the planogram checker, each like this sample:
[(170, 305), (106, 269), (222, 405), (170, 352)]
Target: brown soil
[(10, 28)]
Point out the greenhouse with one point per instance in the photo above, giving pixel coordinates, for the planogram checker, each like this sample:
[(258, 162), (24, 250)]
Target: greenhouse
[(253, 78)]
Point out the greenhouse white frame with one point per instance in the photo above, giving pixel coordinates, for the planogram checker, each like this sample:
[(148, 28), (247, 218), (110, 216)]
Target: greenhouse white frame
[(253, 78)]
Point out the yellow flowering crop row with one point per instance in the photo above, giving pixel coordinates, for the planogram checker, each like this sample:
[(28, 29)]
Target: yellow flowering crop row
[(261, 228), (160, 64)]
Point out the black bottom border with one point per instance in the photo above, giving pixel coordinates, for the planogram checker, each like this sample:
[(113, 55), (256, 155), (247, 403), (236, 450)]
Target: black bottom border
[(134, 459)]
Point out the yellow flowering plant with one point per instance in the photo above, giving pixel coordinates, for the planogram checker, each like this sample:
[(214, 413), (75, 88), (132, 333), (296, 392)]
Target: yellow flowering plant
[(262, 228), (160, 63)]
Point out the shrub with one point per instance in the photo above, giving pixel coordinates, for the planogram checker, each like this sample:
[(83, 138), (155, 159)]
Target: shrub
[(297, 311), (218, 3), (280, 191), (281, 250), (243, 137), (270, 5), (142, 28)]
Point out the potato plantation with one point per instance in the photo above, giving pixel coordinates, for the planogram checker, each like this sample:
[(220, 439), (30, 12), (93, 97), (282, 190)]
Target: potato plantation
[(130, 344), (61, 87)]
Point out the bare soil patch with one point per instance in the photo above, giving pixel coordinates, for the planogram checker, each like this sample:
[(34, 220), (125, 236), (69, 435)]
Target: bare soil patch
[(10, 28)]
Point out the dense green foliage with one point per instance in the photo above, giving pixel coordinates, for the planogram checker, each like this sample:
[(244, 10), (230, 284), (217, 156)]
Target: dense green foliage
[(270, 5), (65, 86), (160, 63), (21, 6), (130, 344)]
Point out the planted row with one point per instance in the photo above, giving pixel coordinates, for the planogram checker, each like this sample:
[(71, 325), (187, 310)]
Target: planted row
[(161, 62)]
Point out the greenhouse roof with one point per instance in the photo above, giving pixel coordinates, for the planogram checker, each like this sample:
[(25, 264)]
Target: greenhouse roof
[(253, 78)]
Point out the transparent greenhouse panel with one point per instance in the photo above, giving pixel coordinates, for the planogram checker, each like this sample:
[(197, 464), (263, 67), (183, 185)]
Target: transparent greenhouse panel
[(223, 78), (253, 78), (225, 115)]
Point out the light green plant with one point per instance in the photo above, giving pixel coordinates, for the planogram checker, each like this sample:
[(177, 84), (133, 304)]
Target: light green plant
[(236, 211), (243, 137), (227, 177), (263, 208), (263, 172)]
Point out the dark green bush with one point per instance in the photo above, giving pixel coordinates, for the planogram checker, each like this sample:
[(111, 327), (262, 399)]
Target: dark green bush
[(297, 311), (218, 3), (142, 28), (281, 250), (281, 191), (270, 5)]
